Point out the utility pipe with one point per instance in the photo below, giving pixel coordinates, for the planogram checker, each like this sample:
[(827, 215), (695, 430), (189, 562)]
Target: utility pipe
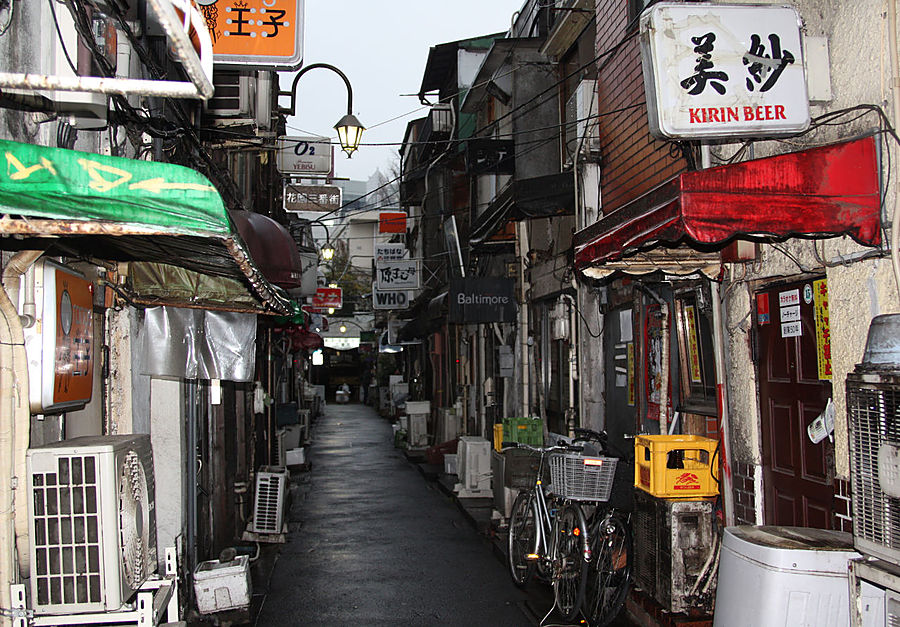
[(722, 401), (573, 363), (521, 249), (7, 437), (20, 412), (895, 98)]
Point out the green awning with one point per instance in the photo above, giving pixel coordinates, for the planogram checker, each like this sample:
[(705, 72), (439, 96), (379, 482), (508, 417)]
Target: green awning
[(95, 206), (67, 184)]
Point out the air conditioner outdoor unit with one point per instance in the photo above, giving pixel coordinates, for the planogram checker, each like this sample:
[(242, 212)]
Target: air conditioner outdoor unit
[(417, 436), (85, 110), (474, 467), (874, 594), (672, 541), (581, 128), (269, 500), (92, 521), (873, 408), (234, 94)]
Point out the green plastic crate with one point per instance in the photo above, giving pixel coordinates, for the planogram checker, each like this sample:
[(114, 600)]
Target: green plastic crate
[(525, 430)]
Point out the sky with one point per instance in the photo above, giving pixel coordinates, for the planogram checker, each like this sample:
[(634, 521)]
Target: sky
[(382, 47)]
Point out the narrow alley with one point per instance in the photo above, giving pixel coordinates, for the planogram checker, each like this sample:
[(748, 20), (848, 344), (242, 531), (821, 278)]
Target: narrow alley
[(372, 543)]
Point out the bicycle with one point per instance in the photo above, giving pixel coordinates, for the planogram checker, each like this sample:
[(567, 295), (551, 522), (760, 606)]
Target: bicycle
[(547, 527), (609, 530)]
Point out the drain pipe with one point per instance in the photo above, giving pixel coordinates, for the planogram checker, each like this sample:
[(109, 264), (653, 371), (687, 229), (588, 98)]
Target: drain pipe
[(15, 418), (722, 401), (895, 97), (521, 250)]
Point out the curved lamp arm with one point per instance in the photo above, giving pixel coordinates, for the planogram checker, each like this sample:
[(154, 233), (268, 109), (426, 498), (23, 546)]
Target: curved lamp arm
[(349, 129), (293, 93)]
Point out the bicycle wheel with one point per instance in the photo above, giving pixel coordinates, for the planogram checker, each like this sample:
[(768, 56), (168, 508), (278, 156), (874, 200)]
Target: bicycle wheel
[(570, 563), (522, 538), (610, 571)]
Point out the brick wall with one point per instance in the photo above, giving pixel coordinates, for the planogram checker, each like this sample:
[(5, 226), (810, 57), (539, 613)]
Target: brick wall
[(744, 493), (633, 162), (745, 498), (842, 508)]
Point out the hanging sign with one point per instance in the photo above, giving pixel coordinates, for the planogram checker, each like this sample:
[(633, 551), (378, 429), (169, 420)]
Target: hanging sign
[(255, 33), (397, 275), (328, 298), (823, 328), (482, 300), (304, 198), (693, 344), (392, 222), (394, 299), (304, 155), (390, 252), (713, 70)]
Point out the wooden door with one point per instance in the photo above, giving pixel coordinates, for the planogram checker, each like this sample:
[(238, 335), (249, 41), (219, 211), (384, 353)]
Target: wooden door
[(798, 476)]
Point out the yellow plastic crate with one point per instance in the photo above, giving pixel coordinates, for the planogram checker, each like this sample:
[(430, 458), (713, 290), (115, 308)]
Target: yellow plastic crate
[(676, 466)]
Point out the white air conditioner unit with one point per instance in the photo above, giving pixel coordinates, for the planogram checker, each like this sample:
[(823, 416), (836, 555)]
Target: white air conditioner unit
[(269, 500), (92, 522), (874, 594), (474, 467), (873, 406), (234, 94), (85, 110), (417, 434), (581, 129)]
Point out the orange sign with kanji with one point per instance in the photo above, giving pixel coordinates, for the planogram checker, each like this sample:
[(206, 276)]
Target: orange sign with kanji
[(257, 33), (392, 222)]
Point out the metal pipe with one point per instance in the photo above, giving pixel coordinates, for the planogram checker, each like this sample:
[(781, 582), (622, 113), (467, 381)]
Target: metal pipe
[(895, 97), (521, 248), (722, 399), (101, 85)]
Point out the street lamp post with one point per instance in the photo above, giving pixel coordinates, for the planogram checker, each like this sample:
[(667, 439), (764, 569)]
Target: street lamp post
[(349, 128)]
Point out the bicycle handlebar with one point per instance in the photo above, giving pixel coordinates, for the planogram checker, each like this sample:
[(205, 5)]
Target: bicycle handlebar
[(543, 449)]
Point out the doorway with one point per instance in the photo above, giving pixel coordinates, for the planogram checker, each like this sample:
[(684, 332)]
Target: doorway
[(794, 377)]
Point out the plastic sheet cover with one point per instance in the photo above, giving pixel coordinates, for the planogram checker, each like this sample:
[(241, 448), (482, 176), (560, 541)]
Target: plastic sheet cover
[(197, 344)]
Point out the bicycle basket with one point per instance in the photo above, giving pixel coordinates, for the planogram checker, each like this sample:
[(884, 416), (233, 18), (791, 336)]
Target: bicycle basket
[(582, 478)]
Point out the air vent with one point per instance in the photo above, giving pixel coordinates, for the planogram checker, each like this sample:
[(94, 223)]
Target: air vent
[(873, 405), (268, 509)]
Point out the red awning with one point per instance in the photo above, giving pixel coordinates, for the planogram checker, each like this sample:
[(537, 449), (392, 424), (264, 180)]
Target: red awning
[(271, 246), (820, 192)]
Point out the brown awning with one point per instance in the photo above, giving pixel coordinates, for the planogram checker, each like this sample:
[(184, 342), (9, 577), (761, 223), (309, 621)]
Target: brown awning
[(821, 192), (271, 246)]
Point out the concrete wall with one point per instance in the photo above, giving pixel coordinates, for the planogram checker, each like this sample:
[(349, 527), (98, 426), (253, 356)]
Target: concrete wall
[(860, 74)]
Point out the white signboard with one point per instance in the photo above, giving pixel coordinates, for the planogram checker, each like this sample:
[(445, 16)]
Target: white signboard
[(303, 155), (397, 275), (713, 70), (390, 252), (394, 299)]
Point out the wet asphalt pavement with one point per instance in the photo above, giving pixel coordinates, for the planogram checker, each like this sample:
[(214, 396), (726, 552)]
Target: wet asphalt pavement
[(372, 543)]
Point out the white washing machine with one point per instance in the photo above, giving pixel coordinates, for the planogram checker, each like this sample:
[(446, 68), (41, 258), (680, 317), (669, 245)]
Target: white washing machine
[(784, 576)]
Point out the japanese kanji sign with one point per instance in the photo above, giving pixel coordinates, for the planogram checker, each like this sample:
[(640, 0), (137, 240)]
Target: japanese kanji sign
[(299, 198), (256, 33), (397, 275), (723, 70), (304, 155), (390, 252)]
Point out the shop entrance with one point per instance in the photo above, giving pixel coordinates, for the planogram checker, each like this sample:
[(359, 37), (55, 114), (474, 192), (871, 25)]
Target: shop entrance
[(794, 373)]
